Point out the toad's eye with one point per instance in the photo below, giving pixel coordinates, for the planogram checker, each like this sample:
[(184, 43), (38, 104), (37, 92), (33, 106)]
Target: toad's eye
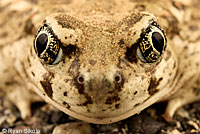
[(152, 44), (47, 46)]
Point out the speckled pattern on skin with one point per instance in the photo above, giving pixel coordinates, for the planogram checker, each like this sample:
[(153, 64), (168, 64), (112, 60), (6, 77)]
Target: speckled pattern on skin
[(101, 74)]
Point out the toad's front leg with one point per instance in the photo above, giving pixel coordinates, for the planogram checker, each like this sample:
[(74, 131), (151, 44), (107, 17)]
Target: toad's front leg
[(17, 91), (22, 97), (11, 82), (185, 96)]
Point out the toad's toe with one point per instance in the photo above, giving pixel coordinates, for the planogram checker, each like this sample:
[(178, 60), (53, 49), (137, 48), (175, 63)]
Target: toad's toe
[(73, 128)]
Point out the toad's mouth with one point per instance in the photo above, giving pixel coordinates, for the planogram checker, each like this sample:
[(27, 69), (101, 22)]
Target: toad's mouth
[(116, 117), (113, 86)]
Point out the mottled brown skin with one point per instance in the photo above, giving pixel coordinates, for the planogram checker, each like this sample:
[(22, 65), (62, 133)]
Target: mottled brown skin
[(101, 79)]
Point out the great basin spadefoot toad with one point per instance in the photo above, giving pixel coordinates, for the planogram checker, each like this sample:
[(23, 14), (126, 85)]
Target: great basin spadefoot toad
[(100, 61)]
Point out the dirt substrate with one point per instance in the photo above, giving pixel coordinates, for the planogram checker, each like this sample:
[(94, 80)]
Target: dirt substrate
[(150, 121)]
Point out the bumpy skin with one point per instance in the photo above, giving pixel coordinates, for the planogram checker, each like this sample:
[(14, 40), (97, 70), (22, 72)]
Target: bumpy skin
[(99, 40)]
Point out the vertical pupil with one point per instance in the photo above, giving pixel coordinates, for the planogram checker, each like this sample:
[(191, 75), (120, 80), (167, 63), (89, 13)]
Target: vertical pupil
[(41, 43), (158, 41)]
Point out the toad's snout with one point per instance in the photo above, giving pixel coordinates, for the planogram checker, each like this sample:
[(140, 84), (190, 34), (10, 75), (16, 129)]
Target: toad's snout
[(96, 83)]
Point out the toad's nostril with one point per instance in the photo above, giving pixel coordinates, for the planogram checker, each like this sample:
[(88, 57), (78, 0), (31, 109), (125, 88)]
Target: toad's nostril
[(80, 79), (118, 78)]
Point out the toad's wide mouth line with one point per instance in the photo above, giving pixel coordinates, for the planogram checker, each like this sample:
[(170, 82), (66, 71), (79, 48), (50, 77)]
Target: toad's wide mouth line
[(107, 120)]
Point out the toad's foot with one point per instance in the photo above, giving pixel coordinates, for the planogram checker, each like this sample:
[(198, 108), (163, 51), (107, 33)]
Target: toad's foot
[(73, 128), (22, 98), (186, 97)]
